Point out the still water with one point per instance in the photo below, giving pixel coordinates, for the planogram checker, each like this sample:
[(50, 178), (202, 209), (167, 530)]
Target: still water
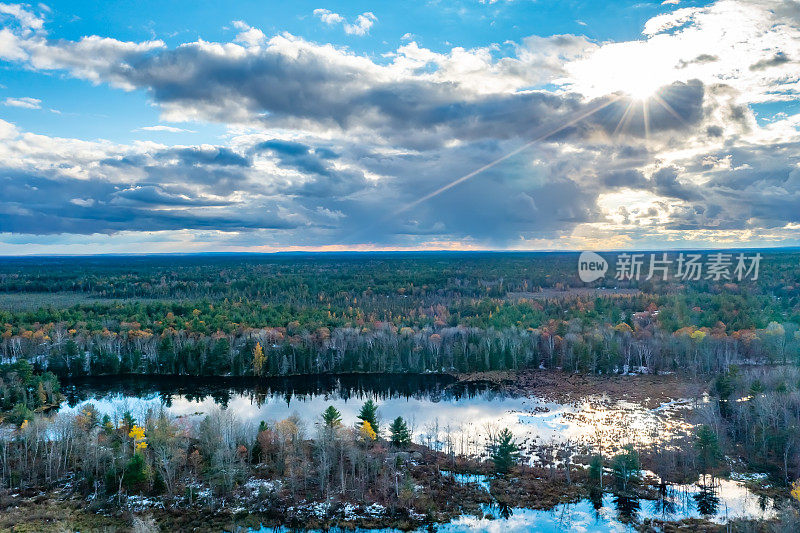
[(449, 416), (441, 412)]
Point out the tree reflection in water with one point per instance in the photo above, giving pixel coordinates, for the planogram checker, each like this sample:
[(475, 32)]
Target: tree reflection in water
[(503, 509), (627, 507), (665, 505), (596, 497), (707, 499)]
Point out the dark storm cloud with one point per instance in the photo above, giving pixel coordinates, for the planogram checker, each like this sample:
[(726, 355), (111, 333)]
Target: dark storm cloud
[(666, 183), (676, 107), (759, 188), (205, 156), (218, 169), (40, 204), (299, 156), (277, 87), (320, 177), (624, 178), (189, 156), (157, 196)]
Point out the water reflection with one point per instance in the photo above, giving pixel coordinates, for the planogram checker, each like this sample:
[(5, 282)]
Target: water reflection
[(627, 507), (503, 510), (298, 388), (707, 499), (596, 497), (717, 500), (444, 414), (666, 505)]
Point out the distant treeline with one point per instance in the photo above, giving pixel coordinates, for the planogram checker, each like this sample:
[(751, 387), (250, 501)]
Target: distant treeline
[(280, 315), (602, 348)]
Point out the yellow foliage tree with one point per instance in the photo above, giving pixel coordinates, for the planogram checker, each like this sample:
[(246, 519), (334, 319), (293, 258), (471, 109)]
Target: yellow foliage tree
[(698, 335), (622, 327), (137, 434), (796, 490), (367, 432), (258, 359)]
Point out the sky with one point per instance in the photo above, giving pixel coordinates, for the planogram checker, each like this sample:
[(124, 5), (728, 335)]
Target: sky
[(178, 126)]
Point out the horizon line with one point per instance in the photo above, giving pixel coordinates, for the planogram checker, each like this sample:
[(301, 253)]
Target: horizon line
[(405, 251)]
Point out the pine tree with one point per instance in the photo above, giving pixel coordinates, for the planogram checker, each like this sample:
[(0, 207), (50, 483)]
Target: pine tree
[(596, 471), (136, 471), (504, 452), (369, 413), (626, 468), (332, 417), (401, 437), (108, 426), (707, 446), (128, 421)]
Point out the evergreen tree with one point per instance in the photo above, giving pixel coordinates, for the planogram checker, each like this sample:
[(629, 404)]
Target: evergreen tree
[(724, 387), (596, 471), (707, 446), (401, 436), (108, 426), (504, 452), (626, 469), (369, 413), (332, 417), (128, 421), (135, 472)]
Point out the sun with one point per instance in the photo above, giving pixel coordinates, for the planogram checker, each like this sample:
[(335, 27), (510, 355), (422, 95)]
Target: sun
[(641, 89), (634, 69)]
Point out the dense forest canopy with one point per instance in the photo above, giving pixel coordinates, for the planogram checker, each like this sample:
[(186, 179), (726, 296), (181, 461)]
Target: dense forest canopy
[(269, 317), (307, 313)]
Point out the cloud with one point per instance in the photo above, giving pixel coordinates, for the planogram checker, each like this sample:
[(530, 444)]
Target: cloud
[(360, 26), (711, 44), (779, 58), (168, 129), (640, 142), (28, 21), (25, 102), (249, 36)]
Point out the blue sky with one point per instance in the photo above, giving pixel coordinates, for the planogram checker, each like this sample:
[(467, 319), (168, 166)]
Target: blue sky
[(264, 126), (91, 111)]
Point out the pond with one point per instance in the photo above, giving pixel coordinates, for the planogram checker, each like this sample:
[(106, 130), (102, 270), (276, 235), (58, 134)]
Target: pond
[(724, 501), (449, 416), (442, 413)]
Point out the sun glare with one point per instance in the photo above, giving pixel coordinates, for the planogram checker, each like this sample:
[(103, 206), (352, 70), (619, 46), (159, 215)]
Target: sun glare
[(641, 89), (633, 69)]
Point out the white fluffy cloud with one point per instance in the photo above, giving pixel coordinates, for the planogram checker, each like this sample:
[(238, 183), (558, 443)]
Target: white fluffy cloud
[(748, 46), (360, 26)]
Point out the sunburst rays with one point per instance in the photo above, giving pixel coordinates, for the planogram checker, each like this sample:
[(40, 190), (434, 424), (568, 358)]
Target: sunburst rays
[(547, 134)]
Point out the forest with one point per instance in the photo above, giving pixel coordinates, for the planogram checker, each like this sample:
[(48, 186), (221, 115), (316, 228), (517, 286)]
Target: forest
[(262, 317), (385, 313)]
